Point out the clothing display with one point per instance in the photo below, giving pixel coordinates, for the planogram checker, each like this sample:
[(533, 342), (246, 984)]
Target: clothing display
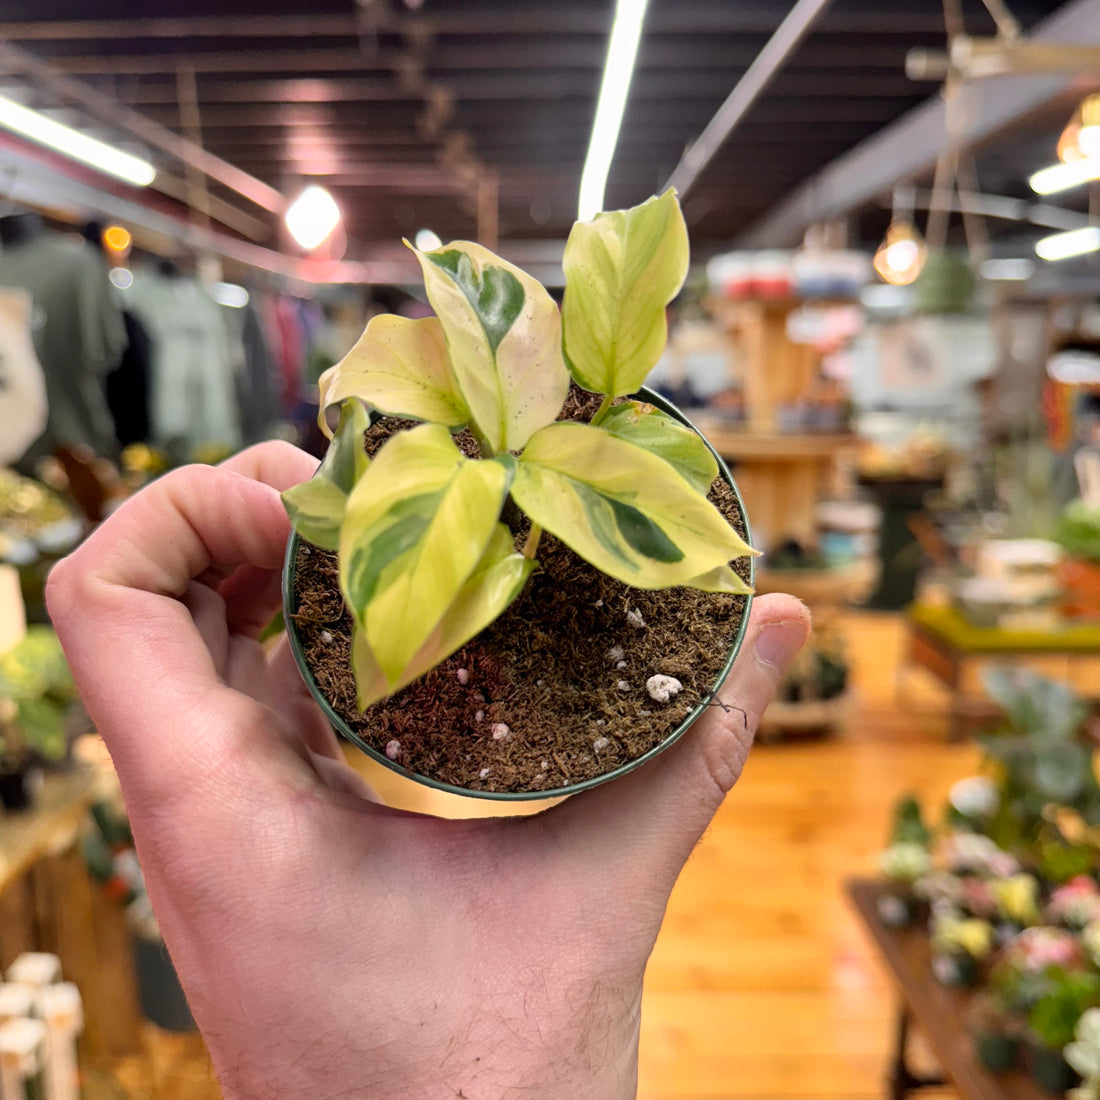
[(255, 372), (23, 406), (128, 385), (193, 392), (78, 328)]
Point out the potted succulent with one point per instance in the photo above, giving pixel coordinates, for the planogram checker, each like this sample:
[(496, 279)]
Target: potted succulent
[(959, 946), (1052, 1023), (904, 862), (36, 691), (534, 574), (995, 1031)]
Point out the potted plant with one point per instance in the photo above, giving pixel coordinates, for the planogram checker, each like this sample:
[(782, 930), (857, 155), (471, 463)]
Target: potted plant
[(904, 862), (1052, 1023), (36, 691), (535, 574), (1078, 533), (995, 1031), (959, 946), (1083, 1055)]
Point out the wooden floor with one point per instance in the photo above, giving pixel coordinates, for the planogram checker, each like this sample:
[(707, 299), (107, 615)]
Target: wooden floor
[(762, 985)]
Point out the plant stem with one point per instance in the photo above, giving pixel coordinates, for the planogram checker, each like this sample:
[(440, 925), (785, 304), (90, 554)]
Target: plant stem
[(601, 412), (532, 543)]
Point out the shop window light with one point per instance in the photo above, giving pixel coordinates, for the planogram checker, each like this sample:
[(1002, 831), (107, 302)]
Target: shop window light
[(74, 144), (229, 294), (312, 216), (622, 52)]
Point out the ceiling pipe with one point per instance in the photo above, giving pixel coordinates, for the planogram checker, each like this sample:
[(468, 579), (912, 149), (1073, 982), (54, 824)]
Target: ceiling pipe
[(1006, 208), (14, 59), (745, 93)]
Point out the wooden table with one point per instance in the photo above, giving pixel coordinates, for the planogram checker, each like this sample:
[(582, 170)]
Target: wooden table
[(939, 1011), (943, 642)]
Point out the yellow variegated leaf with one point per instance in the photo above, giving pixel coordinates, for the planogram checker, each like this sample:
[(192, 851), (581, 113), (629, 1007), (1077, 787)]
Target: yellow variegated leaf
[(621, 271), (504, 338), (647, 427), (624, 510), (416, 526), (490, 589), (400, 367), (316, 507), (722, 579)]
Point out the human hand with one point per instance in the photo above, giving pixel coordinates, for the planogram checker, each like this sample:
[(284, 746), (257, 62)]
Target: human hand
[(331, 946)]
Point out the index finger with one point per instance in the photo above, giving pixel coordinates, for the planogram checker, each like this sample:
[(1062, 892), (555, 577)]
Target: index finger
[(145, 674)]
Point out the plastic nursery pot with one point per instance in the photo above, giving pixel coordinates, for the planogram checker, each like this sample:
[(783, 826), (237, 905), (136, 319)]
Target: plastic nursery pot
[(1051, 1071), (342, 729), (995, 1051)]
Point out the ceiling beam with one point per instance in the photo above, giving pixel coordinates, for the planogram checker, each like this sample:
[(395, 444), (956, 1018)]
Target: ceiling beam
[(717, 17), (910, 146), (14, 59)]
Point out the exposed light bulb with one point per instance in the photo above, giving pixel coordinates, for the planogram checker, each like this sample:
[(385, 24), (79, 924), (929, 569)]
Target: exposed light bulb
[(427, 240), (229, 294), (1061, 177), (312, 216), (900, 257)]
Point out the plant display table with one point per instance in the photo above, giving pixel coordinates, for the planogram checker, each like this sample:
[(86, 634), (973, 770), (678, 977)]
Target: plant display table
[(938, 1010), (942, 641)]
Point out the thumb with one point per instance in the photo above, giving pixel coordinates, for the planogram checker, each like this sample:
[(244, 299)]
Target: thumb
[(647, 823)]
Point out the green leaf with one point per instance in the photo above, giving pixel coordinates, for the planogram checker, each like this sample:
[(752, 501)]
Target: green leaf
[(42, 723), (400, 367), (647, 427), (494, 584), (626, 511), (316, 507), (504, 337), (416, 526), (621, 271)]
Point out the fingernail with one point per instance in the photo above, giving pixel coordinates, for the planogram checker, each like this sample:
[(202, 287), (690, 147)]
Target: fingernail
[(778, 644)]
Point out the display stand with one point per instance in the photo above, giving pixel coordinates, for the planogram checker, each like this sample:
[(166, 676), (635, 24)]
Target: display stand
[(780, 474), (940, 1012)]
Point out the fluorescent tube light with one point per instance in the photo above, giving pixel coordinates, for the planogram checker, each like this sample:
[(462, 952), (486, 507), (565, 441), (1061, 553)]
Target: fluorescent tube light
[(312, 216), (1077, 242), (622, 50), (72, 143), (1061, 177), (1007, 270)]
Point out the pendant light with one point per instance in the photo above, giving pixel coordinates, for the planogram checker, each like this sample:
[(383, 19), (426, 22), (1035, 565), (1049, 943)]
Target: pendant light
[(1080, 139), (900, 257)]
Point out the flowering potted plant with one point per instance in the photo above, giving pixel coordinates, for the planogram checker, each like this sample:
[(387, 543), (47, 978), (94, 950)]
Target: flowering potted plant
[(535, 574), (904, 863), (1052, 1023)]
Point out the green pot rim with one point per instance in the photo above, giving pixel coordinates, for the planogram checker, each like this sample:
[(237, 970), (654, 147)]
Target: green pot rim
[(345, 731)]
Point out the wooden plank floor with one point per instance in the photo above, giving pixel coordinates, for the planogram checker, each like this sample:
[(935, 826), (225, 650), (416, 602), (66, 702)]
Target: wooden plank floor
[(762, 986)]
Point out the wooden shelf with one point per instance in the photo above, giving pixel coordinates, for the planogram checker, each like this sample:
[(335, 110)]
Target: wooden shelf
[(50, 827), (774, 446), (816, 587)]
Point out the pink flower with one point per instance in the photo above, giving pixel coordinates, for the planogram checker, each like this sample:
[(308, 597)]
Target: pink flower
[(1077, 903), (1035, 949), (978, 898)]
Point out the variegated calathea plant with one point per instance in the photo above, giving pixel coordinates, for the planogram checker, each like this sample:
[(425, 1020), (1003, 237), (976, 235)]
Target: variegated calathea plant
[(425, 560)]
